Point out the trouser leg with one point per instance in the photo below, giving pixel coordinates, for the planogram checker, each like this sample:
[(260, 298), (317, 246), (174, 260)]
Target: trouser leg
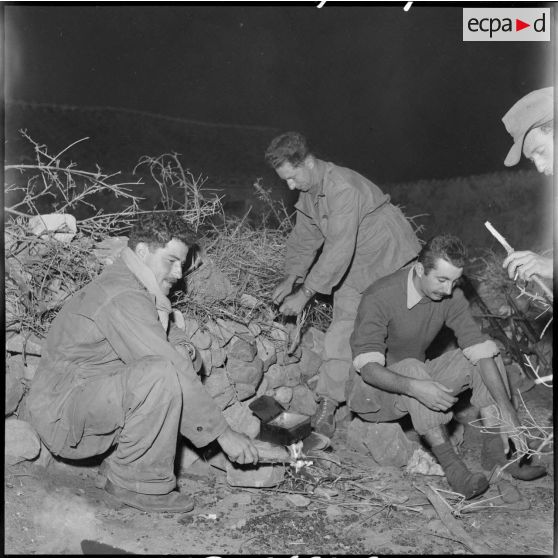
[(375, 405), (142, 406), (337, 357)]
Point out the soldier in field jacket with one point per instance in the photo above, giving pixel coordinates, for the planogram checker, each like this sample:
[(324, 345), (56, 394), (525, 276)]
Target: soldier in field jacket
[(362, 237), (117, 371)]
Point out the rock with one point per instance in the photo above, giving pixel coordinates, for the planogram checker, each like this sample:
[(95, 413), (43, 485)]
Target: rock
[(219, 387), (16, 343), (309, 362), (342, 413), (313, 382), (255, 329), (209, 282), (297, 500), (263, 387), (191, 326), (385, 442), (236, 327), (260, 476), (241, 419), (284, 358), (244, 391), (279, 332), (219, 334), (218, 355), (63, 225), (248, 300), (284, 395), (276, 376), (21, 441), (201, 339), (266, 352), (424, 463), (15, 388), (303, 401), (241, 349), (292, 375), (245, 372), (313, 339)]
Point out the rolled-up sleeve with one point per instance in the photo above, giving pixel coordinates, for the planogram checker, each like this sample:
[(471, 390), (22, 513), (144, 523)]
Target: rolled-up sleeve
[(130, 323), (486, 349), (367, 358), (340, 243), (368, 340)]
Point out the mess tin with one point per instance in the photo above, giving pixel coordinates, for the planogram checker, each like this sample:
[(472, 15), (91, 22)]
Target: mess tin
[(277, 425)]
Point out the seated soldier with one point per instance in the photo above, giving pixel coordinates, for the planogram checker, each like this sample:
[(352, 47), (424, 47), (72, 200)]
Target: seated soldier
[(397, 320), (110, 376)]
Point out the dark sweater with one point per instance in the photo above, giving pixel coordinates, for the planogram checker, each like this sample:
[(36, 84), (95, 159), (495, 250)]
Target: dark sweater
[(385, 325)]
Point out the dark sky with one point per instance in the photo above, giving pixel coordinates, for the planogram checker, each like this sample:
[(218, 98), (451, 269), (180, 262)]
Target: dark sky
[(395, 95)]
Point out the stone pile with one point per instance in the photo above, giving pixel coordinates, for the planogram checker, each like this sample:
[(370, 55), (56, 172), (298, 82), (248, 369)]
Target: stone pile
[(240, 363), (243, 362)]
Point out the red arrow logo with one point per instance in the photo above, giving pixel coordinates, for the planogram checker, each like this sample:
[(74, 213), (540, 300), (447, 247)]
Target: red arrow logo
[(519, 25)]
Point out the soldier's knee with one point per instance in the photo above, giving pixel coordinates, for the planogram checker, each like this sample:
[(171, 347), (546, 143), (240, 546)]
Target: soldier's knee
[(412, 368), (159, 370)]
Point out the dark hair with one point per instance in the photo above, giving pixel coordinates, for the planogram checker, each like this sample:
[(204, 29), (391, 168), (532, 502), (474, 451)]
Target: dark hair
[(444, 246), (158, 229), (290, 147)]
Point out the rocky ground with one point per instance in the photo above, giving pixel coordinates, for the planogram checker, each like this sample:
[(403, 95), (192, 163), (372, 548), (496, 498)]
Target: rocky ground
[(344, 504)]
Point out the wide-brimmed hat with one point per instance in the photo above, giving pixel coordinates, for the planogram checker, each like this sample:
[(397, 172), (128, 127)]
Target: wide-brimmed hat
[(531, 111)]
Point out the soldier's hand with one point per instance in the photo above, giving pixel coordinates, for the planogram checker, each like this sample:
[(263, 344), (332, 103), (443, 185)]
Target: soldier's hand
[(283, 289), (434, 395), (527, 263), (294, 304), (238, 447)]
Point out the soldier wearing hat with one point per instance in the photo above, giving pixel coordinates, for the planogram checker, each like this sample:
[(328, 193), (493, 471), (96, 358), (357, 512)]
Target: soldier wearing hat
[(530, 122)]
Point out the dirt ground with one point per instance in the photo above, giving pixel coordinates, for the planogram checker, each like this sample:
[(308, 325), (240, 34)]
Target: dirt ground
[(358, 508)]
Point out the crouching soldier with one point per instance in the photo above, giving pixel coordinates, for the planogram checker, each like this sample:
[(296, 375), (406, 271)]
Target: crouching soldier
[(109, 376), (397, 319)]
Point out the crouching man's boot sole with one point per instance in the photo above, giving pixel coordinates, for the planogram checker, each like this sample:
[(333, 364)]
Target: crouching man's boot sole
[(173, 502)]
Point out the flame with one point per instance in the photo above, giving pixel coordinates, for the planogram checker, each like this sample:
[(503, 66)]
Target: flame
[(297, 461)]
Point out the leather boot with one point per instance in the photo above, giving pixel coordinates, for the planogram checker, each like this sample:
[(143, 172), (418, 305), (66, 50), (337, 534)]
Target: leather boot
[(493, 454)]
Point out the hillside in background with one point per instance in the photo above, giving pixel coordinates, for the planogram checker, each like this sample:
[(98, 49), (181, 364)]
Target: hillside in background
[(518, 203)]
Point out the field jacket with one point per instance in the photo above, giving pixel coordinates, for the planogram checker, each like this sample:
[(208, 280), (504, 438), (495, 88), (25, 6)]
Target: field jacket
[(362, 235), (110, 323)]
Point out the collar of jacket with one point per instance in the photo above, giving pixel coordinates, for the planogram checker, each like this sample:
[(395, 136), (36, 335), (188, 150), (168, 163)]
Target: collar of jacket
[(147, 279), (321, 170)]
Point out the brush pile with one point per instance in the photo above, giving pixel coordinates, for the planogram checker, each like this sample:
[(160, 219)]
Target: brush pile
[(516, 315)]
